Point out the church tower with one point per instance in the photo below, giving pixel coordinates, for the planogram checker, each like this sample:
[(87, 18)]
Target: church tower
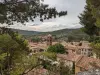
[(49, 40)]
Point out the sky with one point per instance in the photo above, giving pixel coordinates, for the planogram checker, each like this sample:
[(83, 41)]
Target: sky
[(73, 7)]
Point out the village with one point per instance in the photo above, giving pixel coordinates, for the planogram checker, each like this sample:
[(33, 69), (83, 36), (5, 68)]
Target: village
[(49, 37), (80, 55)]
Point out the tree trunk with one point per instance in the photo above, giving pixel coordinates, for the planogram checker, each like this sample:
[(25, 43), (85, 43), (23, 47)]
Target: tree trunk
[(8, 66)]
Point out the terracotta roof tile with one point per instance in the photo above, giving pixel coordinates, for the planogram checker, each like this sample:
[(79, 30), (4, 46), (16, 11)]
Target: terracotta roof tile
[(85, 62), (80, 61), (70, 57), (40, 71)]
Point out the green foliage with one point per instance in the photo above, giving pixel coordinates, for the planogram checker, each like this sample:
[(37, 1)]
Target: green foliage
[(25, 64), (64, 70), (88, 21), (50, 55), (56, 69), (57, 48), (26, 10), (96, 47), (11, 53), (68, 35), (36, 39), (7, 45), (95, 6), (2, 56), (2, 59)]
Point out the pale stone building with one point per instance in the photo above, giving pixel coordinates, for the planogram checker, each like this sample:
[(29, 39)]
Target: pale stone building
[(80, 48)]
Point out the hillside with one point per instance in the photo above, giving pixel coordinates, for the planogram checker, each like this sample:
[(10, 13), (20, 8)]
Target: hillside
[(66, 31), (71, 34), (25, 32), (57, 32), (64, 34)]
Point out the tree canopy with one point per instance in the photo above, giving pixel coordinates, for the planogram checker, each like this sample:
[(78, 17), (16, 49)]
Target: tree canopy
[(95, 6), (57, 48), (22, 11), (36, 39), (89, 19)]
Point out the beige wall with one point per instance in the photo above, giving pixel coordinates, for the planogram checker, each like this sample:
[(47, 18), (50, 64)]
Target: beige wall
[(69, 63), (66, 63), (77, 69)]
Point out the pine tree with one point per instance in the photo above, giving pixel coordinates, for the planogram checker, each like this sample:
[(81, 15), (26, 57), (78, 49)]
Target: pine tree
[(88, 21)]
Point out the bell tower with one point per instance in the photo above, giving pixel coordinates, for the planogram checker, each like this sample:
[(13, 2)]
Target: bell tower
[(49, 40)]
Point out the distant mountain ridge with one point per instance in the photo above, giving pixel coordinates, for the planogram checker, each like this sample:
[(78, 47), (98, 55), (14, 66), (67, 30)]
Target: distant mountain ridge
[(61, 34), (64, 34), (76, 31), (26, 32), (66, 31)]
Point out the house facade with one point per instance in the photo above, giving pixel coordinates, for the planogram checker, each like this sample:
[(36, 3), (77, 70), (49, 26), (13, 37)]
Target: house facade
[(80, 48), (37, 47)]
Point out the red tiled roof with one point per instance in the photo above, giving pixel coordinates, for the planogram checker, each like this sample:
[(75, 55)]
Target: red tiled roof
[(32, 44), (85, 62), (71, 47), (81, 61), (35, 71), (70, 57), (37, 45)]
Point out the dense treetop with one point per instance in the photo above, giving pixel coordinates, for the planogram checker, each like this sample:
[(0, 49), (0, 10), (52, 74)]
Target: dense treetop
[(95, 6), (90, 18), (88, 21), (57, 48)]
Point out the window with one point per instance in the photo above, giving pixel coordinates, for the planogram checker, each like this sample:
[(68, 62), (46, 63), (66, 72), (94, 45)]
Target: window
[(90, 50)]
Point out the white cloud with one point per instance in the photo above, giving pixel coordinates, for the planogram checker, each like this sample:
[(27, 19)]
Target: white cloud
[(74, 8)]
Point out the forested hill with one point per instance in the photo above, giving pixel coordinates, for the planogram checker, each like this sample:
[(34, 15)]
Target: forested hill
[(61, 34), (26, 32), (57, 32), (66, 31), (75, 34)]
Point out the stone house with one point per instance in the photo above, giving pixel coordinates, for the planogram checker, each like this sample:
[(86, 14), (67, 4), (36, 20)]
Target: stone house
[(84, 50), (80, 48), (37, 47)]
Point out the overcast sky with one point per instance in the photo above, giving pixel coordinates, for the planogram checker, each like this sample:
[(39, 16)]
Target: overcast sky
[(74, 8)]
